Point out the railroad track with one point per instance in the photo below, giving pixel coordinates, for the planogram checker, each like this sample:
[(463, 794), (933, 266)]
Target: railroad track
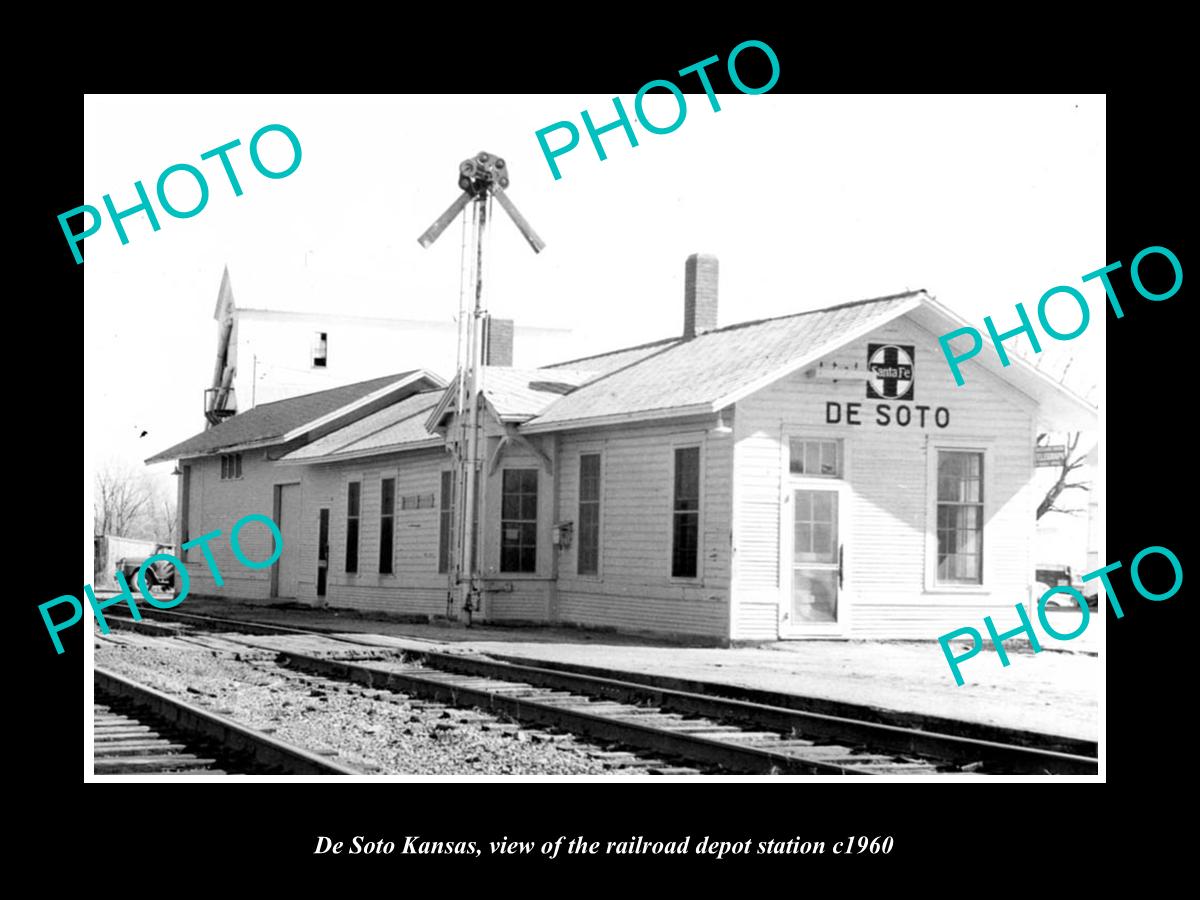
[(732, 734), (124, 744), (652, 728), (139, 730)]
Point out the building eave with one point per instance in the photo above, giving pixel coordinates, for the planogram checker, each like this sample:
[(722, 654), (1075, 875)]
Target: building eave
[(313, 425), (650, 415), (431, 444), (820, 352), (366, 400)]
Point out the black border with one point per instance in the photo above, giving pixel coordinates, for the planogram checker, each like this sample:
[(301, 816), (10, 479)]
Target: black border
[(978, 837)]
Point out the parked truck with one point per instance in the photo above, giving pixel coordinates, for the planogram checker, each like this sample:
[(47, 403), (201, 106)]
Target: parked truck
[(160, 574), (1048, 575)]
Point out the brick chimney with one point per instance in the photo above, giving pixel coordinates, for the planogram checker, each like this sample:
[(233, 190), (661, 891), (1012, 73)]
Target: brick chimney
[(497, 342), (699, 294)]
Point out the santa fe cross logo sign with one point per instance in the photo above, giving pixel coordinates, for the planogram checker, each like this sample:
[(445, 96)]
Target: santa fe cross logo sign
[(891, 368)]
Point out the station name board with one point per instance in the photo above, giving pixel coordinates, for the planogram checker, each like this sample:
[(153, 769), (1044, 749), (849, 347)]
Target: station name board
[(902, 414)]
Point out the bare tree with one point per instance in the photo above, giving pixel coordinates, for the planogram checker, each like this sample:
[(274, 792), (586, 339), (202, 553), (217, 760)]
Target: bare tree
[(163, 517), (1058, 367), (129, 502), (122, 498), (1070, 463)]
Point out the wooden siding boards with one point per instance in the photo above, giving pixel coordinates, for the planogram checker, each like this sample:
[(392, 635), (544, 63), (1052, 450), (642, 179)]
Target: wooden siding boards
[(511, 596), (415, 587), (515, 596), (888, 549), (634, 589), (218, 503)]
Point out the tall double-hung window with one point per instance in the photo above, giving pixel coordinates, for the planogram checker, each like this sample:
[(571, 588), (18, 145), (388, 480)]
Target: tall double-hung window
[(959, 517), (518, 520), (685, 518)]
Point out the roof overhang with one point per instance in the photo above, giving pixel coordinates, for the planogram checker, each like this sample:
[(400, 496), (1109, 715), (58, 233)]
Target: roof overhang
[(711, 408), (648, 415), (1057, 406), (432, 443), (818, 353), (437, 416), (322, 425)]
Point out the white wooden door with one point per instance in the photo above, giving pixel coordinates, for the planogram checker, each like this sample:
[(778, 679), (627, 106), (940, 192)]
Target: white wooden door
[(814, 599)]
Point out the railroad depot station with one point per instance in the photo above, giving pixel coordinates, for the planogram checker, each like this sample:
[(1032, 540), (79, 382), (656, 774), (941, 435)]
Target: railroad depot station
[(811, 475)]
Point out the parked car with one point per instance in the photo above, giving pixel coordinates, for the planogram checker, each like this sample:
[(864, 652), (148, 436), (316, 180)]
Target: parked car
[(1048, 575), (160, 574)]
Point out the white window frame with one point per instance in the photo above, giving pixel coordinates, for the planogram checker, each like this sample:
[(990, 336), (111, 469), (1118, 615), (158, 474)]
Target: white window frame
[(361, 478), (683, 442), (231, 463), (826, 438), (451, 526), (395, 516), (539, 535), (590, 450), (933, 446)]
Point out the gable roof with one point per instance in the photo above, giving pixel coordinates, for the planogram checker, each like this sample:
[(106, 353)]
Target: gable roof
[(719, 367), (715, 369), (515, 395), (519, 394), (400, 426), (285, 420), (603, 363)]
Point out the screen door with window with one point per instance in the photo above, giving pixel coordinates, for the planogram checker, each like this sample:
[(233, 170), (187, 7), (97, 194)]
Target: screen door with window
[(816, 557), (813, 600)]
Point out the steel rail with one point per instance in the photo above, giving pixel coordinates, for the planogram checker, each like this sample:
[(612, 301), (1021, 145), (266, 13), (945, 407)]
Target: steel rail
[(262, 748)]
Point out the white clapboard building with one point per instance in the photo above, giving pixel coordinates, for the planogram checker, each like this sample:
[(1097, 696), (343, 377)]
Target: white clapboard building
[(812, 475)]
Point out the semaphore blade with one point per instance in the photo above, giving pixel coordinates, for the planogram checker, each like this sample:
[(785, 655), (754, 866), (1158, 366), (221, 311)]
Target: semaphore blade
[(526, 229), (444, 219)]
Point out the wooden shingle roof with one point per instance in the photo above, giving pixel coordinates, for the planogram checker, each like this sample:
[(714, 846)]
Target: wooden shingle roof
[(275, 422), (716, 368), (400, 426), (519, 394)]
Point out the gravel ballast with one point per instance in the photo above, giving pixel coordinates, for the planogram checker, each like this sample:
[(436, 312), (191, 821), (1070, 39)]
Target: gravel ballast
[(375, 731)]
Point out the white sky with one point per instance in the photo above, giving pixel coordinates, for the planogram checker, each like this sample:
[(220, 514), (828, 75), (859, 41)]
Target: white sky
[(807, 201)]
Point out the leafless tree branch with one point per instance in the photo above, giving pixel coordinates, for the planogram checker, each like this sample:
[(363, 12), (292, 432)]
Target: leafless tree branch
[(1070, 463), (127, 503)]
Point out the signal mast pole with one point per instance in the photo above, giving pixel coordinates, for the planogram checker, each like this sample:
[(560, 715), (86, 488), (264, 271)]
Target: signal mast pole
[(482, 177)]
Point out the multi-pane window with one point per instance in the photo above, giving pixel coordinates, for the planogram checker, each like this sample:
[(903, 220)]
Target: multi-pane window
[(811, 457), (816, 527), (231, 465), (354, 490), (320, 349), (960, 517), (685, 529), (518, 521), (387, 525), (588, 558), (446, 522)]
